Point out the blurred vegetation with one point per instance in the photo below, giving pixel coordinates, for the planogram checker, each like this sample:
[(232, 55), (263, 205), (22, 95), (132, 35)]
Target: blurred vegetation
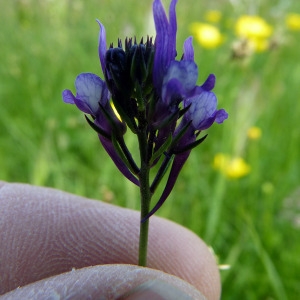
[(251, 221)]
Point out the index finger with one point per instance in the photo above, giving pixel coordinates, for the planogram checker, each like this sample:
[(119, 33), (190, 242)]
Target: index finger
[(44, 232)]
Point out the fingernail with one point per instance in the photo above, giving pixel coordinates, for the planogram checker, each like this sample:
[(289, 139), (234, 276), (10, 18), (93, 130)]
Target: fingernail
[(155, 289)]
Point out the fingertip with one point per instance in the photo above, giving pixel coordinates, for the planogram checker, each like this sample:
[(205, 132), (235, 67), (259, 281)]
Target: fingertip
[(159, 290), (108, 282), (181, 252), (49, 232), (2, 183)]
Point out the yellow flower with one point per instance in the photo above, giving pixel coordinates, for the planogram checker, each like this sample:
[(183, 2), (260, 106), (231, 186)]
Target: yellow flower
[(208, 36), (292, 21), (259, 44), (252, 27), (254, 133), (213, 16), (232, 167), (256, 30)]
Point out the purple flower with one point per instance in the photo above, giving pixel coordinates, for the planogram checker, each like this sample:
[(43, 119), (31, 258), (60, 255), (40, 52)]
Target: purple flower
[(154, 93), (91, 91), (92, 97), (175, 82), (202, 113)]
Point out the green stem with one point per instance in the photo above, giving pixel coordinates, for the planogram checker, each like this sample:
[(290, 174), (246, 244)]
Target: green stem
[(144, 191), (145, 204)]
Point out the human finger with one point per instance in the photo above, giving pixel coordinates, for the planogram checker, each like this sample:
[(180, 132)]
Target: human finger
[(108, 282), (44, 232)]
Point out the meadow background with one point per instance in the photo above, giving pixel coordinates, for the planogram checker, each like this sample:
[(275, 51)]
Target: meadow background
[(239, 190)]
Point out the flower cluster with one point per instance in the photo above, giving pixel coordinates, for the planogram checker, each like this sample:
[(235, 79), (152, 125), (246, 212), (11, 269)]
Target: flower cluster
[(292, 21), (255, 30), (231, 167), (207, 35), (156, 97)]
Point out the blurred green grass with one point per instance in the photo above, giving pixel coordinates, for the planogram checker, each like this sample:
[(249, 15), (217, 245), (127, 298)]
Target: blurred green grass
[(252, 223)]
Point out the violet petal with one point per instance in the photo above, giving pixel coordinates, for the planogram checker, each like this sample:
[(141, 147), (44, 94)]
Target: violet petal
[(203, 107), (89, 89), (185, 71), (165, 41), (172, 30), (209, 83), (188, 49), (68, 97), (221, 116), (102, 46)]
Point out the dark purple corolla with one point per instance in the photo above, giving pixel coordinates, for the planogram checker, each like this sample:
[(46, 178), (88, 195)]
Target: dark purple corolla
[(155, 95)]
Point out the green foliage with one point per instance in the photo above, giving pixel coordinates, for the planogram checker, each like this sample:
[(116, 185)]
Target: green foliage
[(252, 223)]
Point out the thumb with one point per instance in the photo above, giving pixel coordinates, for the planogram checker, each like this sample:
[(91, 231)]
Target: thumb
[(108, 282)]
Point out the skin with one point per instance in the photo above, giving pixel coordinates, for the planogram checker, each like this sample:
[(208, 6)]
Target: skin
[(55, 243)]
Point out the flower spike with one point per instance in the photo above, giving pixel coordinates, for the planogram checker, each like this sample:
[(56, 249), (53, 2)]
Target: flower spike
[(156, 96)]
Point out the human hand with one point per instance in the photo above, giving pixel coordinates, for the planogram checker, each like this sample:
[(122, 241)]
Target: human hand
[(90, 249)]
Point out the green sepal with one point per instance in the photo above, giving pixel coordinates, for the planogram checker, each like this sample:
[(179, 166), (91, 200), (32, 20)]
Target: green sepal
[(151, 100), (168, 120), (190, 146), (179, 135), (139, 96), (183, 111), (161, 149), (150, 61), (123, 156), (138, 68), (135, 169), (97, 129), (162, 171)]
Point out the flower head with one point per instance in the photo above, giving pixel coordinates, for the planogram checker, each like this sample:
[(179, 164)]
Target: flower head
[(232, 167), (207, 35), (292, 21), (155, 95), (252, 27), (254, 133), (256, 30), (213, 16)]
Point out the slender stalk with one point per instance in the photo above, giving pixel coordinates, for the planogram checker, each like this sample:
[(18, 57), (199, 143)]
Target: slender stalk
[(145, 205), (144, 191)]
